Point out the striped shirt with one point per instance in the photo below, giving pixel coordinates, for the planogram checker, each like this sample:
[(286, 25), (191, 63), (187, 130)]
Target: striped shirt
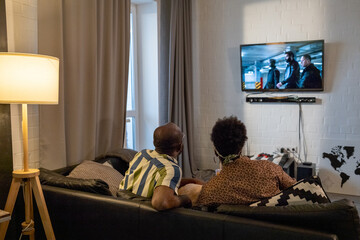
[(149, 170)]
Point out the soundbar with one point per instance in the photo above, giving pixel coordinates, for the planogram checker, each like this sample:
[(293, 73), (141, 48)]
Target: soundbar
[(281, 99)]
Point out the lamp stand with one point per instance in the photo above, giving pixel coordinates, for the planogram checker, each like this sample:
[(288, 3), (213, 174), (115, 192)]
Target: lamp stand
[(30, 177)]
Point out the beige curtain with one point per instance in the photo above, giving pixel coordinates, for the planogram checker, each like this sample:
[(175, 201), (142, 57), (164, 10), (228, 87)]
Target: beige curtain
[(91, 38), (176, 74)]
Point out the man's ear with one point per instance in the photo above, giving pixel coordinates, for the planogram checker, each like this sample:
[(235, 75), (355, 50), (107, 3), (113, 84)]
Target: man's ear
[(180, 148)]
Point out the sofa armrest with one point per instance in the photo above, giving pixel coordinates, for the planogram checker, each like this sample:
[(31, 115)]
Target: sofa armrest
[(82, 215), (339, 217)]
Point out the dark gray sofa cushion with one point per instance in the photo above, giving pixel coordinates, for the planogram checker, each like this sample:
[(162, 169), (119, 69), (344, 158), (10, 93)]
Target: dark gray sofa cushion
[(119, 160), (51, 178)]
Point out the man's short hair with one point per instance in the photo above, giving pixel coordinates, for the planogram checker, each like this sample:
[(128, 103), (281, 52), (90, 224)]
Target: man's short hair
[(228, 135), (272, 61), (290, 53), (307, 56)]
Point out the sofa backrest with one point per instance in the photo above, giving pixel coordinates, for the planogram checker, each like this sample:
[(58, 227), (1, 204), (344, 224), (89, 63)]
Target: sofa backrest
[(339, 217), (81, 215), (118, 159)]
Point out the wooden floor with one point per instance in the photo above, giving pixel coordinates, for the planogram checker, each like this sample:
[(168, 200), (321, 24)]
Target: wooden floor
[(336, 196)]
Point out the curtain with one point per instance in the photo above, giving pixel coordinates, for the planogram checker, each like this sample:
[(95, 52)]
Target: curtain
[(91, 38), (175, 83)]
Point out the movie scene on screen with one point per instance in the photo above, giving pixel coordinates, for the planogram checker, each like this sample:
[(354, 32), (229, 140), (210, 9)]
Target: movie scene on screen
[(282, 66)]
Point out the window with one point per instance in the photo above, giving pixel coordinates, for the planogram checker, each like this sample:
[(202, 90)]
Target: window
[(131, 105), (142, 101)]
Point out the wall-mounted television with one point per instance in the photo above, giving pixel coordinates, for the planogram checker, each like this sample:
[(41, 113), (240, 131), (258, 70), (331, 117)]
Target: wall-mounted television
[(282, 66)]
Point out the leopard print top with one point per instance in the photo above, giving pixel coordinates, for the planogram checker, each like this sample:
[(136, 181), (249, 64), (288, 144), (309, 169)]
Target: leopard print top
[(244, 181)]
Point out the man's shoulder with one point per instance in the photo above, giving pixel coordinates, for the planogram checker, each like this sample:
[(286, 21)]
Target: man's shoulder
[(144, 156), (313, 68), (295, 63), (163, 159), (141, 154), (148, 154), (309, 70)]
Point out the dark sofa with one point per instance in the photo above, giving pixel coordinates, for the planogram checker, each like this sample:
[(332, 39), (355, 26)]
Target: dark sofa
[(83, 214)]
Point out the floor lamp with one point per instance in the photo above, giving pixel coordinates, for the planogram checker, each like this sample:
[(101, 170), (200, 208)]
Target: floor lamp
[(28, 79)]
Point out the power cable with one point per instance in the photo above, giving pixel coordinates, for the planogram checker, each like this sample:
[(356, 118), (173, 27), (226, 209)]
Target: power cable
[(302, 135)]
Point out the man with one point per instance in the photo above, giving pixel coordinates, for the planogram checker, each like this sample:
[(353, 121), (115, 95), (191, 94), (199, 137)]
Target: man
[(273, 75), (292, 72), (310, 77), (156, 174)]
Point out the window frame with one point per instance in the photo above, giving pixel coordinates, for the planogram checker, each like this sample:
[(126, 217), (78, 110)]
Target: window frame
[(135, 112)]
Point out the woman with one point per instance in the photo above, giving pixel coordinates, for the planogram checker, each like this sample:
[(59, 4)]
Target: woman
[(241, 180)]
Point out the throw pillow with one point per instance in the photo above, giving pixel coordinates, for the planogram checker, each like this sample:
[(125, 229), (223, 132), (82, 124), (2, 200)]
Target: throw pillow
[(94, 170), (108, 164), (306, 191)]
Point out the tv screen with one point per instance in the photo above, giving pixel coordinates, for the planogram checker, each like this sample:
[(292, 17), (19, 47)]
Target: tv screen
[(282, 66)]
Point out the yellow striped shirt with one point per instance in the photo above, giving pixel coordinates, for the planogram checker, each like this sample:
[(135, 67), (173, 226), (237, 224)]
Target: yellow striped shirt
[(149, 170)]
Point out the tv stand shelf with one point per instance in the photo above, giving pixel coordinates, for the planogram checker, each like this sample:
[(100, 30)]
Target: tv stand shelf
[(281, 99)]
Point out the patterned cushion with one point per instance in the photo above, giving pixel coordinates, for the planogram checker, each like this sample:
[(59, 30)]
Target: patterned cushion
[(94, 170), (306, 191)]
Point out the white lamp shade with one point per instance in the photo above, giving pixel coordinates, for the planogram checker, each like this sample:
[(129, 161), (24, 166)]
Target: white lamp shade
[(28, 78)]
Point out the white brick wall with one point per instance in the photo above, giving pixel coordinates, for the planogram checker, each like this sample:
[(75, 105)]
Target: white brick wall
[(21, 18), (220, 26)]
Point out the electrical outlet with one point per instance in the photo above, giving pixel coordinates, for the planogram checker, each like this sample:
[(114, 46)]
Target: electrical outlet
[(292, 149), (287, 149)]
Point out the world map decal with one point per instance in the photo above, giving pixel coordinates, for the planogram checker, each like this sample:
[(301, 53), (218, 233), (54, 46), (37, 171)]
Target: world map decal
[(340, 167)]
